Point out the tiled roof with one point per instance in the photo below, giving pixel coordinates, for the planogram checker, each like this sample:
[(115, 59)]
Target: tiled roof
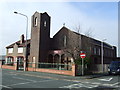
[(19, 44)]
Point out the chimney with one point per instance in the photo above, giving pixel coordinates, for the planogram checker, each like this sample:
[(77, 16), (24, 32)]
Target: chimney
[(22, 39)]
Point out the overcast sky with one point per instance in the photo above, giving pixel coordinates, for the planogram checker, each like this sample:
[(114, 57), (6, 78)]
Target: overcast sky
[(99, 17)]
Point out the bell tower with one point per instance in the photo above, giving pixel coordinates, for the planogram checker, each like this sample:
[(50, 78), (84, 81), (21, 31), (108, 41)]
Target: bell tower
[(40, 37)]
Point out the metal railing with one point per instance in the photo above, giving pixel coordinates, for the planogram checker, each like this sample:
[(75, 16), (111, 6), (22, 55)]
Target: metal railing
[(7, 63), (56, 66)]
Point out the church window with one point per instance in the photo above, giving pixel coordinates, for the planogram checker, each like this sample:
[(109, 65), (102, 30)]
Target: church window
[(65, 41), (35, 21), (45, 23)]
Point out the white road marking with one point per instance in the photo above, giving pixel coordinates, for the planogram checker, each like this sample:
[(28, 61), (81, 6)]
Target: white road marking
[(24, 79), (78, 85), (30, 82), (89, 85), (85, 82), (106, 79), (5, 86), (106, 84), (115, 83), (74, 81), (96, 83)]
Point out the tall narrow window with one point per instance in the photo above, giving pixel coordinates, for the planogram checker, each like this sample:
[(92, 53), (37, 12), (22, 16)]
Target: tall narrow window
[(35, 21), (45, 23), (65, 41)]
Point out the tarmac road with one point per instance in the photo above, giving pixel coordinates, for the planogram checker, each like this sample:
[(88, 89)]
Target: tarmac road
[(37, 80)]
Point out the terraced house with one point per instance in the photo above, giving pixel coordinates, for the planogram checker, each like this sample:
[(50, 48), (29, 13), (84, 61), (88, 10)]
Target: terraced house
[(60, 53)]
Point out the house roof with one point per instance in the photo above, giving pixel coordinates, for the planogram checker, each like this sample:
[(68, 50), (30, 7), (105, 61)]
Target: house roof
[(19, 44)]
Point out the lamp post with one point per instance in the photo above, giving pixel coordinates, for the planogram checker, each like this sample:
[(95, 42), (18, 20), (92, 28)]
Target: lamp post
[(102, 54), (26, 38)]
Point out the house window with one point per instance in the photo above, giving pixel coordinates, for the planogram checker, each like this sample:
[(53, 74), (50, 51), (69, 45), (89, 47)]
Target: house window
[(20, 50), (10, 50), (45, 23), (9, 60), (35, 21), (65, 41)]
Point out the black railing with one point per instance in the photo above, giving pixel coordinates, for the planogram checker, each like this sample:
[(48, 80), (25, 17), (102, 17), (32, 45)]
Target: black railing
[(56, 66), (7, 63)]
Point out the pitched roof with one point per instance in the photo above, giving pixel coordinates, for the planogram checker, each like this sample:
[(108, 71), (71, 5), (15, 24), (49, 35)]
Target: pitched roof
[(19, 44), (63, 28), (93, 39)]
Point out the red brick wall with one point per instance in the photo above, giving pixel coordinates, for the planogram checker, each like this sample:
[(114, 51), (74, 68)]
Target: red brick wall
[(71, 73), (8, 67), (51, 71)]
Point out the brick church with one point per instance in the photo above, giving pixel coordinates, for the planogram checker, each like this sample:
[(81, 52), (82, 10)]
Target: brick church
[(63, 48)]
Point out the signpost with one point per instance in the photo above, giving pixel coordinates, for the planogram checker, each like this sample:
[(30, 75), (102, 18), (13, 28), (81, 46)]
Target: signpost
[(82, 55)]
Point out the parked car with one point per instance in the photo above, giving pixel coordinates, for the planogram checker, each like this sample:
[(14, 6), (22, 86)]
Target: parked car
[(114, 67)]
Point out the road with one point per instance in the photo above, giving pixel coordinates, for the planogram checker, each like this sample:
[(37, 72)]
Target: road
[(19, 79)]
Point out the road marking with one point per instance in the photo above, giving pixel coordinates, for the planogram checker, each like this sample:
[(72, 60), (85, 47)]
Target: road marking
[(5, 86), (23, 79), (32, 75), (78, 85), (89, 85), (115, 83), (106, 84), (86, 82), (112, 85), (95, 83), (106, 79), (29, 82)]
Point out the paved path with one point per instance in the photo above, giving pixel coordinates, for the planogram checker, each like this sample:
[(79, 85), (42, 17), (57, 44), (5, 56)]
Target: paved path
[(19, 79)]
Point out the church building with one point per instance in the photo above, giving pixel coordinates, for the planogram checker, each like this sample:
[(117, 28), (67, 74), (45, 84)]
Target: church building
[(61, 50)]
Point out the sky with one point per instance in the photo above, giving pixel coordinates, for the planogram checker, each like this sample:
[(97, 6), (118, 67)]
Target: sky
[(101, 18)]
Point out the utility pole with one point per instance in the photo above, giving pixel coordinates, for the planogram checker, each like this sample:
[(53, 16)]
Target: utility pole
[(102, 54), (25, 60)]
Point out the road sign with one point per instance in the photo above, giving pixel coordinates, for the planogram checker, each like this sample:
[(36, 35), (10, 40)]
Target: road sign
[(82, 55)]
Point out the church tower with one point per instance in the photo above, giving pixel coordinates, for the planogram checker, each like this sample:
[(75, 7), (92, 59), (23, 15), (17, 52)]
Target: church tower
[(40, 37)]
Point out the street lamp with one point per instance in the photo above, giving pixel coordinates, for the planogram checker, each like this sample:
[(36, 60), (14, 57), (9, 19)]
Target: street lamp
[(26, 38), (102, 54)]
